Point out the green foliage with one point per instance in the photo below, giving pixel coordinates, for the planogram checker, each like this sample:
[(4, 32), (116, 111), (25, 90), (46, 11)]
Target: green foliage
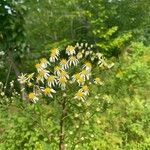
[(114, 117)]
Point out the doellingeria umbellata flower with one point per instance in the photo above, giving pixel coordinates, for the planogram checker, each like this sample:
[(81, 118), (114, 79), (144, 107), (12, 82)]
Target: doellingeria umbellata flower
[(85, 74), (57, 70), (85, 90), (54, 55), (97, 80), (64, 74), (38, 67), (49, 91), (79, 55), (70, 50), (62, 82), (73, 61), (52, 80), (44, 62), (22, 78), (74, 70), (80, 95), (32, 96), (87, 66), (43, 74), (64, 64)]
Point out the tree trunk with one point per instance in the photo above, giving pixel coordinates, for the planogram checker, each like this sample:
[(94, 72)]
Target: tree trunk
[(17, 73)]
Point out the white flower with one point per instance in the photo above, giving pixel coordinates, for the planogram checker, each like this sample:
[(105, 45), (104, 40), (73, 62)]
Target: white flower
[(2, 93), (99, 55), (97, 80), (32, 96), (73, 61), (81, 44), (2, 53), (43, 74), (87, 66), (48, 91), (52, 80), (86, 44), (57, 70), (79, 55), (44, 62), (64, 64), (62, 82), (85, 74), (77, 44), (38, 67), (64, 74), (80, 95), (70, 50), (87, 53), (54, 55), (76, 77), (79, 78), (22, 78), (85, 90)]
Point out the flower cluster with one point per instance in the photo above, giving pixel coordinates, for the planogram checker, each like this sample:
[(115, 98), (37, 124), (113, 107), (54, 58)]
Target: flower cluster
[(76, 69)]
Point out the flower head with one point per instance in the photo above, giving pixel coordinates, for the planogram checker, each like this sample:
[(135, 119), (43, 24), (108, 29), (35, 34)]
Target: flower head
[(64, 64), (32, 96), (80, 95), (79, 55), (85, 74), (22, 78), (87, 66), (85, 90), (64, 74), (97, 80), (48, 91), (73, 61), (70, 50), (44, 62), (52, 80), (43, 74), (57, 70), (62, 82), (54, 55)]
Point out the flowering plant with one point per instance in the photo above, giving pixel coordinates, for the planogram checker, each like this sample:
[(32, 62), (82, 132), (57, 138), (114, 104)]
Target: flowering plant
[(75, 68), (67, 77)]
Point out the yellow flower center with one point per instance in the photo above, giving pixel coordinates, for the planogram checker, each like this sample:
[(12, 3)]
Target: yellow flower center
[(63, 73), (62, 80), (57, 68), (77, 76), (51, 78), (85, 72), (63, 61), (38, 66), (73, 58), (85, 88), (54, 52), (81, 80), (43, 60), (88, 64), (69, 48), (79, 94), (31, 95), (47, 90), (97, 79), (79, 55), (41, 73)]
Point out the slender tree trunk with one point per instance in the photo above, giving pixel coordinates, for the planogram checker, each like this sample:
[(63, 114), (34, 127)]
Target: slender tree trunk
[(62, 132), (17, 73)]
